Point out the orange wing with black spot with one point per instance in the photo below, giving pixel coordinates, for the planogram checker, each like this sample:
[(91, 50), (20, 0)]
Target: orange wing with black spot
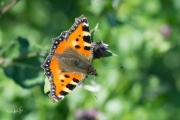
[(63, 83), (78, 38)]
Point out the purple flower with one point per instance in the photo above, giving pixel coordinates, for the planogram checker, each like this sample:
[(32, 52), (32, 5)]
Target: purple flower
[(91, 114), (166, 30)]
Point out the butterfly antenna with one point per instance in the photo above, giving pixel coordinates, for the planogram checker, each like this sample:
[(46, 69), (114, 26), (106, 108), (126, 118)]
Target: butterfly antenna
[(95, 90), (111, 68)]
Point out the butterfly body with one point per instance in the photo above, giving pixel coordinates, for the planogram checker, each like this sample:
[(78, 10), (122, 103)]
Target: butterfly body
[(70, 59)]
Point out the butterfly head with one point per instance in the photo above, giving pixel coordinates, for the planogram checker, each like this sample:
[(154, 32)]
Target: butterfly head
[(99, 49)]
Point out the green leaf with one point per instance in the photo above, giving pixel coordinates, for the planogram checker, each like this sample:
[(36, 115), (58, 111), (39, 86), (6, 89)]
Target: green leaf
[(24, 67), (46, 85), (109, 53), (16, 48)]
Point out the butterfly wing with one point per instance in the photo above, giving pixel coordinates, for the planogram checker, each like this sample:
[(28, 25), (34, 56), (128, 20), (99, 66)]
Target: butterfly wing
[(63, 83), (50, 65), (78, 38)]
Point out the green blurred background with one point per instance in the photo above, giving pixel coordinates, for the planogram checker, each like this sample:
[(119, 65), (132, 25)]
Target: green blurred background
[(145, 34)]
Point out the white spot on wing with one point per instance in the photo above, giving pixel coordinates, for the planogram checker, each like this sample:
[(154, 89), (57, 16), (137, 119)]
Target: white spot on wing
[(61, 96), (86, 34), (86, 44), (86, 24), (55, 100), (66, 90), (73, 83), (61, 77), (74, 43)]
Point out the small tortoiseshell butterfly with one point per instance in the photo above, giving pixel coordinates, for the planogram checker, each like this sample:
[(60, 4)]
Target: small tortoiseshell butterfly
[(70, 59)]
